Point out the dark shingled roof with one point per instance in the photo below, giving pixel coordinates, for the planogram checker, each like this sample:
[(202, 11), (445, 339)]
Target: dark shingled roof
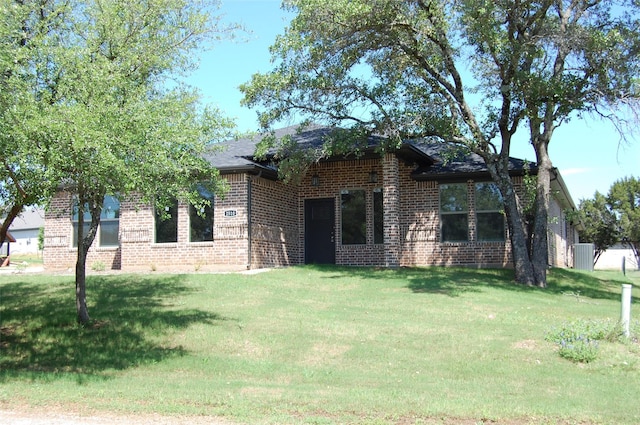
[(450, 164), (430, 159), (238, 155)]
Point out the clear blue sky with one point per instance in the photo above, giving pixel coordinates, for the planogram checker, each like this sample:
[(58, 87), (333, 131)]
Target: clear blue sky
[(587, 152)]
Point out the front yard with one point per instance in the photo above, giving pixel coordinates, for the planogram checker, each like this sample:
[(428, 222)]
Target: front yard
[(320, 345)]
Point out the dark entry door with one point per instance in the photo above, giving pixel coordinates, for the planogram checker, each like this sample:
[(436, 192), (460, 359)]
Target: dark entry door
[(319, 231)]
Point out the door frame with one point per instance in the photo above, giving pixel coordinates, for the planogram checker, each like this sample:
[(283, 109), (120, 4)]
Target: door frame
[(330, 229)]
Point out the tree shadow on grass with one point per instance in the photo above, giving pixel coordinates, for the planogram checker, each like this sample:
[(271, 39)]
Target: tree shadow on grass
[(40, 340), (455, 281), (452, 282), (586, 284)]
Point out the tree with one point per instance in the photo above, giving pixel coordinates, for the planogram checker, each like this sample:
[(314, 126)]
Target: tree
[(24, 26), (624, 200), (599, 223), (402, 69), (112, 117)]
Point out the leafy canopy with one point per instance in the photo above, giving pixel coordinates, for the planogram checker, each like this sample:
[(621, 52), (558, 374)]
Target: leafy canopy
[(101, 108), (599, 223), (465, 71), (624, 199)]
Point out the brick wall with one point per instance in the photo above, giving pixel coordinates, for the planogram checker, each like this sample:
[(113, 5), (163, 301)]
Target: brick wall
[(229, 247), (412, 224), (58, 252), (334, 177), (420, 230), (139, 252), (561, 236), (274, 224)]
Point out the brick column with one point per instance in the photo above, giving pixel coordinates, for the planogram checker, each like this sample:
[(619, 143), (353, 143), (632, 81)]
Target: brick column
[(391, 205)]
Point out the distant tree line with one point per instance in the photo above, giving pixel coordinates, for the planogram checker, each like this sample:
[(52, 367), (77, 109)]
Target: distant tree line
[(614, 218)]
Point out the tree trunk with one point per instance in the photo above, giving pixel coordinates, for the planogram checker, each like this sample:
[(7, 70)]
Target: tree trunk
[(540, 246), (84, 243), (635, 248), (81, 285), (524, 272), (15, 210)]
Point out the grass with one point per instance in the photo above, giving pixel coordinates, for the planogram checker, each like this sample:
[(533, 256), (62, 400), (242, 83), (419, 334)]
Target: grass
[(27, 259), (320, 345)]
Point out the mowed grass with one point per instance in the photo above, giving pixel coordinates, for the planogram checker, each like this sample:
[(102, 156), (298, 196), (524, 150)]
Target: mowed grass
[(319, 345)]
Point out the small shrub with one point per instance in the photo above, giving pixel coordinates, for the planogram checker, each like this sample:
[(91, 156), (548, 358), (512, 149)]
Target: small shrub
[(98, 266), (581, 349), (578, 340)]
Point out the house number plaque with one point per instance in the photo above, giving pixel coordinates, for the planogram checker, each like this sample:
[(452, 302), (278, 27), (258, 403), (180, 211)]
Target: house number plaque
[(230, 213)]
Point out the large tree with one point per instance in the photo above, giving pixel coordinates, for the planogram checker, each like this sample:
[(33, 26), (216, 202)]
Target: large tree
[(599, 224), (471, 72), (624, 201), (23, 27), (112, 117)]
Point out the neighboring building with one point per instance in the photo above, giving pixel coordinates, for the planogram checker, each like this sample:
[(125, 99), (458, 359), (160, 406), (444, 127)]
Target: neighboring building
[(612, 258), (407, 208), (5, 250), (25, 229)]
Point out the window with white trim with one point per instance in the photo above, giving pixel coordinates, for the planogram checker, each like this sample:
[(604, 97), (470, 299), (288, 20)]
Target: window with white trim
[(489, 216), (454, 212), (166, 223), (201, 220), (109, 222), (354, 217)]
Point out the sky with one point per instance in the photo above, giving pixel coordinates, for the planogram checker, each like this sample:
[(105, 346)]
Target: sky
[(588, 152)]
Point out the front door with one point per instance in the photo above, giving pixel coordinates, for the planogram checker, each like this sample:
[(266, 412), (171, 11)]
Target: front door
[(319, 231)]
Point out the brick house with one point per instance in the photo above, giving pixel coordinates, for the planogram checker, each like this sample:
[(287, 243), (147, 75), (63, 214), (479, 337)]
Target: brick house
[(407, 208)]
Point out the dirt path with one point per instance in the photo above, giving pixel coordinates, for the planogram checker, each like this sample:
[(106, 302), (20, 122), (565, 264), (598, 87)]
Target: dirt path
[(11, 417)]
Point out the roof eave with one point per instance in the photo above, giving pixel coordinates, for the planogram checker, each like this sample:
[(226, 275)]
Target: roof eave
[(253, 169), (460, 176)]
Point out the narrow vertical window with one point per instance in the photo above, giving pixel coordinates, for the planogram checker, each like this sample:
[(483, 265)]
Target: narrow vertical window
[(167, 224), (74, 222), (110, 222), (454, 212), (378, 217), (201, 221), (489, 217), (354, 217)]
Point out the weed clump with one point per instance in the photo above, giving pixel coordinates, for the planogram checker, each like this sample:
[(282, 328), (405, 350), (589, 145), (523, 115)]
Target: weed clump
[(578, 341)]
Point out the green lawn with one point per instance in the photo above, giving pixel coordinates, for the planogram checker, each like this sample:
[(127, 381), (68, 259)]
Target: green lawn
[(320, 345)]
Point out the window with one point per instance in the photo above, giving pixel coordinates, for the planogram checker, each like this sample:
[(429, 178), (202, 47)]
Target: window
[(489, 217), (454, 213), (109, 222), (378, 217), (201, 221), (354, 217), (167, 224)]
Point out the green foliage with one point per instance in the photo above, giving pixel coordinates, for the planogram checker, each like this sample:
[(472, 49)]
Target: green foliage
[(624, 200), (90, 99), (40, 239), (22, 29), (96, 106), (599, 224), (578, 340), (395, 67), (98, 266), (401, 69)]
